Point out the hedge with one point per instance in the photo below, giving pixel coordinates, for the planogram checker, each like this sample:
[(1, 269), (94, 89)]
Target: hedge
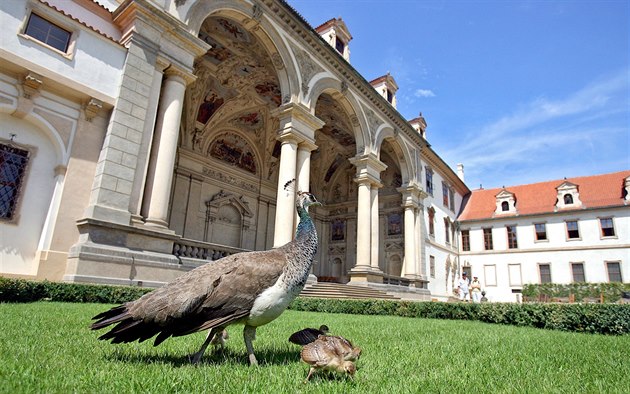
[(589, 318), (19, 290), (610, 291), (611, 319)]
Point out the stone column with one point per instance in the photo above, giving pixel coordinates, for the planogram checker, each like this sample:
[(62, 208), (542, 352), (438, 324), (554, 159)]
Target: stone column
[(140, 180), (297, 134), (366, 268), (285, 208), (411, 196), (410, 244), (364, 224), (375, 230), (167, 134)]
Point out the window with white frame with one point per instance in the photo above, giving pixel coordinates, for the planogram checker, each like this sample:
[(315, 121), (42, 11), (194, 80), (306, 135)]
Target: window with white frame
[(432, 266), (541, 231), (490, 274), (514, 271), (48, 33), (607, 227), (445, 195), (544, 271), (511, 237), (487, 239), (466, 240), (451, 199), (447, 231), (577, 271), (573, 231), (429, 180), (614, 271), (13, 162)]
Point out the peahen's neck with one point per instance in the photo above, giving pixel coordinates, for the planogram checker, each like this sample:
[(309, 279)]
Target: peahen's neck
[(305, 226)]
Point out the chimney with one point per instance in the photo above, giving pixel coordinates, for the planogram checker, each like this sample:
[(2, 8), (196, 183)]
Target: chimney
[(460, 171)]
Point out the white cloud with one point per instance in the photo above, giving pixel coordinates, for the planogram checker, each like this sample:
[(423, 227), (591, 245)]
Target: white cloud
[(547, 135), (424, 93)]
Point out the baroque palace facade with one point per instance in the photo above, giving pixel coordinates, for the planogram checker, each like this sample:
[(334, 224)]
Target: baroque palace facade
[(142, 138)]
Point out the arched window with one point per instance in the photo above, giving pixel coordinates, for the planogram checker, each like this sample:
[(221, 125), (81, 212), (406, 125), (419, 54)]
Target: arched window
[(568, 199), (505, 206)]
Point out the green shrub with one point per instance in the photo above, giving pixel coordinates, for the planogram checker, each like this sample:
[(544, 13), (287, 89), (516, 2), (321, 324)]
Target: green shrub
[(610, 291), (590, 318), (19, 290)]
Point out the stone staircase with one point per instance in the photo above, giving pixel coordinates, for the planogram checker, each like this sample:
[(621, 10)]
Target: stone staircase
[(341, 291)]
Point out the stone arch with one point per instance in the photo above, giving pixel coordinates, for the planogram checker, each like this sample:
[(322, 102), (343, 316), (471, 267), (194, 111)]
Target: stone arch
[(403, 156), (325, 83), (230, 216), (394, 265), (47, 130), (272, 40), (244, 159)]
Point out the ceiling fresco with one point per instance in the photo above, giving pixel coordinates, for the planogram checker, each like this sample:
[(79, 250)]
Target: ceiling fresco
[(236, 88)]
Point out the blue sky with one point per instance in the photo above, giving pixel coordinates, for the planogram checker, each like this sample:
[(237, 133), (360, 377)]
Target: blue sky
[(517, 91)]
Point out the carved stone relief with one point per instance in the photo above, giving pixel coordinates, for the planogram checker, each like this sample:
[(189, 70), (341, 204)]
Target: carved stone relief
[(308, 68)]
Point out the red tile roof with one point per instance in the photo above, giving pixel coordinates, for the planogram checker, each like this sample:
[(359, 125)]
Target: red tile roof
[(595, 191)]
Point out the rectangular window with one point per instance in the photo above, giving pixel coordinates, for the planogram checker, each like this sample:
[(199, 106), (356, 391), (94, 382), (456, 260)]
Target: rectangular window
[(13, 163), (429, 176), (340, 45), (431, 221), (511, 236), (47, 32), (490, 274), (545, 273), (541, 231), (514, 271), (466, 240), (432, 266), (444, 194), (487, 239), (614, 271), (447, 231), (572, 229), (577, 269), (607, 227), (451, 199)]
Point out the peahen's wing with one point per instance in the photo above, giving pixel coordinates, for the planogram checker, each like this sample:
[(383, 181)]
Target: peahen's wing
[(215, 294)]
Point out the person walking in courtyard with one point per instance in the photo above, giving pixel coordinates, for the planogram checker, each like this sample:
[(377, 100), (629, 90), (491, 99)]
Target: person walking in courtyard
[(462, 287), (475, 289)]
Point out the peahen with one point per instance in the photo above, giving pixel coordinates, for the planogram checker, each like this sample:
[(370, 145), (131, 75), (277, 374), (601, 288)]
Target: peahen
[(330, 353), (250, 288)]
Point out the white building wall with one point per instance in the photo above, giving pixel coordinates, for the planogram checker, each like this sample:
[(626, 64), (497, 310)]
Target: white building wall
[(558, 251), (92, 67)]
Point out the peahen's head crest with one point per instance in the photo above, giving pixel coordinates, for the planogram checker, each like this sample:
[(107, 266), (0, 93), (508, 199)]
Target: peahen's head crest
[(304, 199)]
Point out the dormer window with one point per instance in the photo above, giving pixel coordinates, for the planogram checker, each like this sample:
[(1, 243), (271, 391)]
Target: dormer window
[(390, 96), (336, 33), (340, 46), (568, 196), (505, 203)]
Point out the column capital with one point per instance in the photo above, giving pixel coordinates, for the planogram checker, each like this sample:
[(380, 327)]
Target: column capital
[(369, 169), (175, 71), (297, 119), (307, 145)]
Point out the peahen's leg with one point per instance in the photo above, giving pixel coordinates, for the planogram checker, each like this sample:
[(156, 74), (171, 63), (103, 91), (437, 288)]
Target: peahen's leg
[(310, 373), (195, 358), (249, 334)]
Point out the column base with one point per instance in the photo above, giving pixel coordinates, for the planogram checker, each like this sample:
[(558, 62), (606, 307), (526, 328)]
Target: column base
[(364, 274)]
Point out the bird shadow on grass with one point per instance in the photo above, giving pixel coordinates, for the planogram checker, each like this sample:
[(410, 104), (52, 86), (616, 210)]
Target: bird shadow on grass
[(226, 356)]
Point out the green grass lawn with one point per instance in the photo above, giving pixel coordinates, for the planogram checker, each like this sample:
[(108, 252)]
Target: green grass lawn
[(47, 347)]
